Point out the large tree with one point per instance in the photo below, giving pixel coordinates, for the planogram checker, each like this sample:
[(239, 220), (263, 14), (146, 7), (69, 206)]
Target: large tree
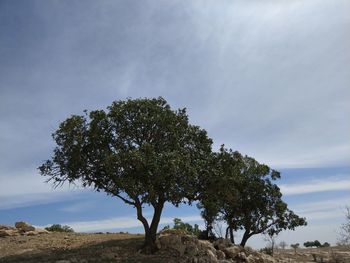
[(140, 151), (250, 201)]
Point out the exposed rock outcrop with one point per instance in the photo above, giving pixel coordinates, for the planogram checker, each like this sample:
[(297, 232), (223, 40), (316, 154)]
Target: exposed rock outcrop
[(21, 228), (191, 250)]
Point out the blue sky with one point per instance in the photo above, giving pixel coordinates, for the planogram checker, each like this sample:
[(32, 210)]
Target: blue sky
[(267, 78)]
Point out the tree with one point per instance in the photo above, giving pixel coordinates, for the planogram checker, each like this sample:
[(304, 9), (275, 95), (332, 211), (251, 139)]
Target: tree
[(317, 243), (246, 198), (344, 234), (326, 244), (140, 151), (295, 247), (179, 225), (59, 228), (271, 239), (309, 244), (283, 244)]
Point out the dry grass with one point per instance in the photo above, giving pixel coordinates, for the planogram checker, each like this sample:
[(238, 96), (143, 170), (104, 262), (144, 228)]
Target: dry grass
[(77, 248), (325, 255)]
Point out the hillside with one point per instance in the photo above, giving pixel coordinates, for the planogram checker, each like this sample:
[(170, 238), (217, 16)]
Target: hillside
[(121, 247)]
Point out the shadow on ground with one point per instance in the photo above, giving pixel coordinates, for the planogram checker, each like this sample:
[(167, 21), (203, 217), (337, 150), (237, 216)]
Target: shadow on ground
[(106, 251)]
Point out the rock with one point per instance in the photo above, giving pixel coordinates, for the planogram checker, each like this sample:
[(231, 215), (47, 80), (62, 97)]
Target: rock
[(211, 257), (222, 243), (41, 231), (6, 227), (4, 233), (172, 242), (242, 256), (232, 252), (191, 250), (24, 226), (8, 232), (220, 254), (63, 261), (205, 245)]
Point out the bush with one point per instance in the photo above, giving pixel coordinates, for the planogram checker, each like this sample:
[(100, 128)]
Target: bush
[(59, 228)]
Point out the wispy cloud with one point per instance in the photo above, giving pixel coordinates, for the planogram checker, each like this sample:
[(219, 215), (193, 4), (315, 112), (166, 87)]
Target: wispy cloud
[(28, 189), (120, 223), (329, 184), (79, 206)]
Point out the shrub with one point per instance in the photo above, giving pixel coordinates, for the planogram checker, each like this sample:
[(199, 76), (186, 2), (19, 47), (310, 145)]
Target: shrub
[(59, 228)]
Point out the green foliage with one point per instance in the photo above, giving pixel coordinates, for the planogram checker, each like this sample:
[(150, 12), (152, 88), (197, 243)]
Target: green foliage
[(184, 227), (59, 228), (295, 246), (241, 191), (140, 151), (315, 243), (326, 244)]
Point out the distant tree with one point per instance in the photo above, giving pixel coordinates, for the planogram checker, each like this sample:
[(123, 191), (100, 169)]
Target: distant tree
[(140, 151), (309, 244), (317, 243), (326, 244), (245, 197), (271, 239), (178, 224), (283, 244), (295, 247), (344, 234), (59, 228)]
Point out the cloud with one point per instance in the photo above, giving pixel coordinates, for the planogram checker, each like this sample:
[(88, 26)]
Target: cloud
[(121, 223), (79, 207), (28, 189), (330, 184), (328, 205)]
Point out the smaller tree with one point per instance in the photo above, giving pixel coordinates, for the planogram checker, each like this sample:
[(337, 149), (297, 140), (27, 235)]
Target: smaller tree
[(326, 244), (271, 240), (59, 228), (283, 245), (295, 247), (317, 243), (309, 244), (344, 234), (179, 225)]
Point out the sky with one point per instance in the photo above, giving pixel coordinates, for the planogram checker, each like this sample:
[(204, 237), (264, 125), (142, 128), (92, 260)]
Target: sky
[(268, 78)]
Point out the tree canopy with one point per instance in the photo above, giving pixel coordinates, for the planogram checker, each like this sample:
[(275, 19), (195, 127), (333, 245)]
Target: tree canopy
[(146, 154), (248, 199), (140, 151)]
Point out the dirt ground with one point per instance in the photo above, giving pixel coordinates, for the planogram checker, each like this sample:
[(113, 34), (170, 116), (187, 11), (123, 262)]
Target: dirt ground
[(327, 254), (75, 248), (121, 247)]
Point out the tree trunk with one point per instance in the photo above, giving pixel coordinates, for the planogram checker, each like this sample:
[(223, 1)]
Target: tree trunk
[(150, 230), (245, 238), (232, 238), (226, 234)]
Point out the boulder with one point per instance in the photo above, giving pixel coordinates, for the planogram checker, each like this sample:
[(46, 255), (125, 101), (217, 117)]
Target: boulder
[(232, 252), (173, 243), (220, 254), (8, 232), (222, 243), (24, 226), (5, 227)]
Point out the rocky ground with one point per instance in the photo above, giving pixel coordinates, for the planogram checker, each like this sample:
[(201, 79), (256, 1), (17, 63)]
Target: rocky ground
[(28, 245)]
